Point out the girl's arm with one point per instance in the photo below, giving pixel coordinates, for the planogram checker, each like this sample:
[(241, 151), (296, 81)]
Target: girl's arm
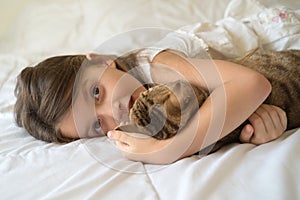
[(235, 93)]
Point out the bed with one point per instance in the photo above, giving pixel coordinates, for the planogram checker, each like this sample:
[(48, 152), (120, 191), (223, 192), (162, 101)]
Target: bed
[(93, 168)]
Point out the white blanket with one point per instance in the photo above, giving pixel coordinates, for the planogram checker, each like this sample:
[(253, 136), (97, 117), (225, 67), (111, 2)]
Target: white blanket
[(93, 168)]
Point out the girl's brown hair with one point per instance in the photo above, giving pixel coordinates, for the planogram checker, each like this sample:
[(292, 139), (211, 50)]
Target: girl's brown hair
[(44, 93)]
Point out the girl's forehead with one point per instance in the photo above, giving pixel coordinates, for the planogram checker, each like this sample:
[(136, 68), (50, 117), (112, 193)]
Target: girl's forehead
[(92, 70)]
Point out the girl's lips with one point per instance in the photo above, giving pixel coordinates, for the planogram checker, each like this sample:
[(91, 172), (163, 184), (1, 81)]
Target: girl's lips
[(131, 102), (135, 96)]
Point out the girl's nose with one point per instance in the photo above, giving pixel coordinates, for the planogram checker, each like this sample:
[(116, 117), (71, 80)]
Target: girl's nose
[(108, 109), (102, 109), (103, 113), (112, 110)]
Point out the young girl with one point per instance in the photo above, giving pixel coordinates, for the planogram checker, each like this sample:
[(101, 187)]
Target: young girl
[(65, 98)]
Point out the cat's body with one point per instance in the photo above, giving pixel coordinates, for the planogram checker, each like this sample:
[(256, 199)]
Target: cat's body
[(282, 69)]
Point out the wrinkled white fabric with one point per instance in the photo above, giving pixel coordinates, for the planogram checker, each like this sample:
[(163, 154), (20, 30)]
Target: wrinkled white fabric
[(235, 35), (94, 168)]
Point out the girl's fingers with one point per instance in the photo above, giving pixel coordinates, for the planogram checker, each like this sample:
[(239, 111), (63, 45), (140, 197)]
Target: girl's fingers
[(246, 134), (271, 114), (282, 119), (268, 122), (120, 139), (126, 137), (122, 146), (117, 136), (275, 120)]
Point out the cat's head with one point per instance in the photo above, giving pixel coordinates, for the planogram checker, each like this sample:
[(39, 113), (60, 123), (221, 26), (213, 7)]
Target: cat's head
[(163, 109)]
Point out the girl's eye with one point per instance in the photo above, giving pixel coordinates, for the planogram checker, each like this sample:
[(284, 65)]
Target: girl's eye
[(97, 127), (96, 92)]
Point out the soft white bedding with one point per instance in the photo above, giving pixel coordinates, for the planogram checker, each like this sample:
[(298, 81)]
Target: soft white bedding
[(93, 168)]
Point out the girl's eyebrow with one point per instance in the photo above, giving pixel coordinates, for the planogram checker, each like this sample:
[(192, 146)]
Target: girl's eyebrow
[(85, 90)]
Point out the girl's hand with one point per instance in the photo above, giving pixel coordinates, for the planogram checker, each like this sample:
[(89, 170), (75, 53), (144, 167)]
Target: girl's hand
[(268, 122), (133, 142), (142, 148)]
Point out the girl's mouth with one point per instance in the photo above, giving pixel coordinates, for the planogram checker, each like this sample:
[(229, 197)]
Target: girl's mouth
[(134, 97), (131, 102)]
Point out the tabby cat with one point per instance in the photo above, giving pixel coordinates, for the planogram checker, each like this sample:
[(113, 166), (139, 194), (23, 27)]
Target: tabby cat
[(157, 111)]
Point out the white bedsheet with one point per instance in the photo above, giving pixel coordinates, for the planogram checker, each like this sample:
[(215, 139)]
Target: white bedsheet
[(93, 168)]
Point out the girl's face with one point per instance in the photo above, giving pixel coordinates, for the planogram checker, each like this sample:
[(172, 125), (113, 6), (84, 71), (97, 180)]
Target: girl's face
[(103, 99)]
